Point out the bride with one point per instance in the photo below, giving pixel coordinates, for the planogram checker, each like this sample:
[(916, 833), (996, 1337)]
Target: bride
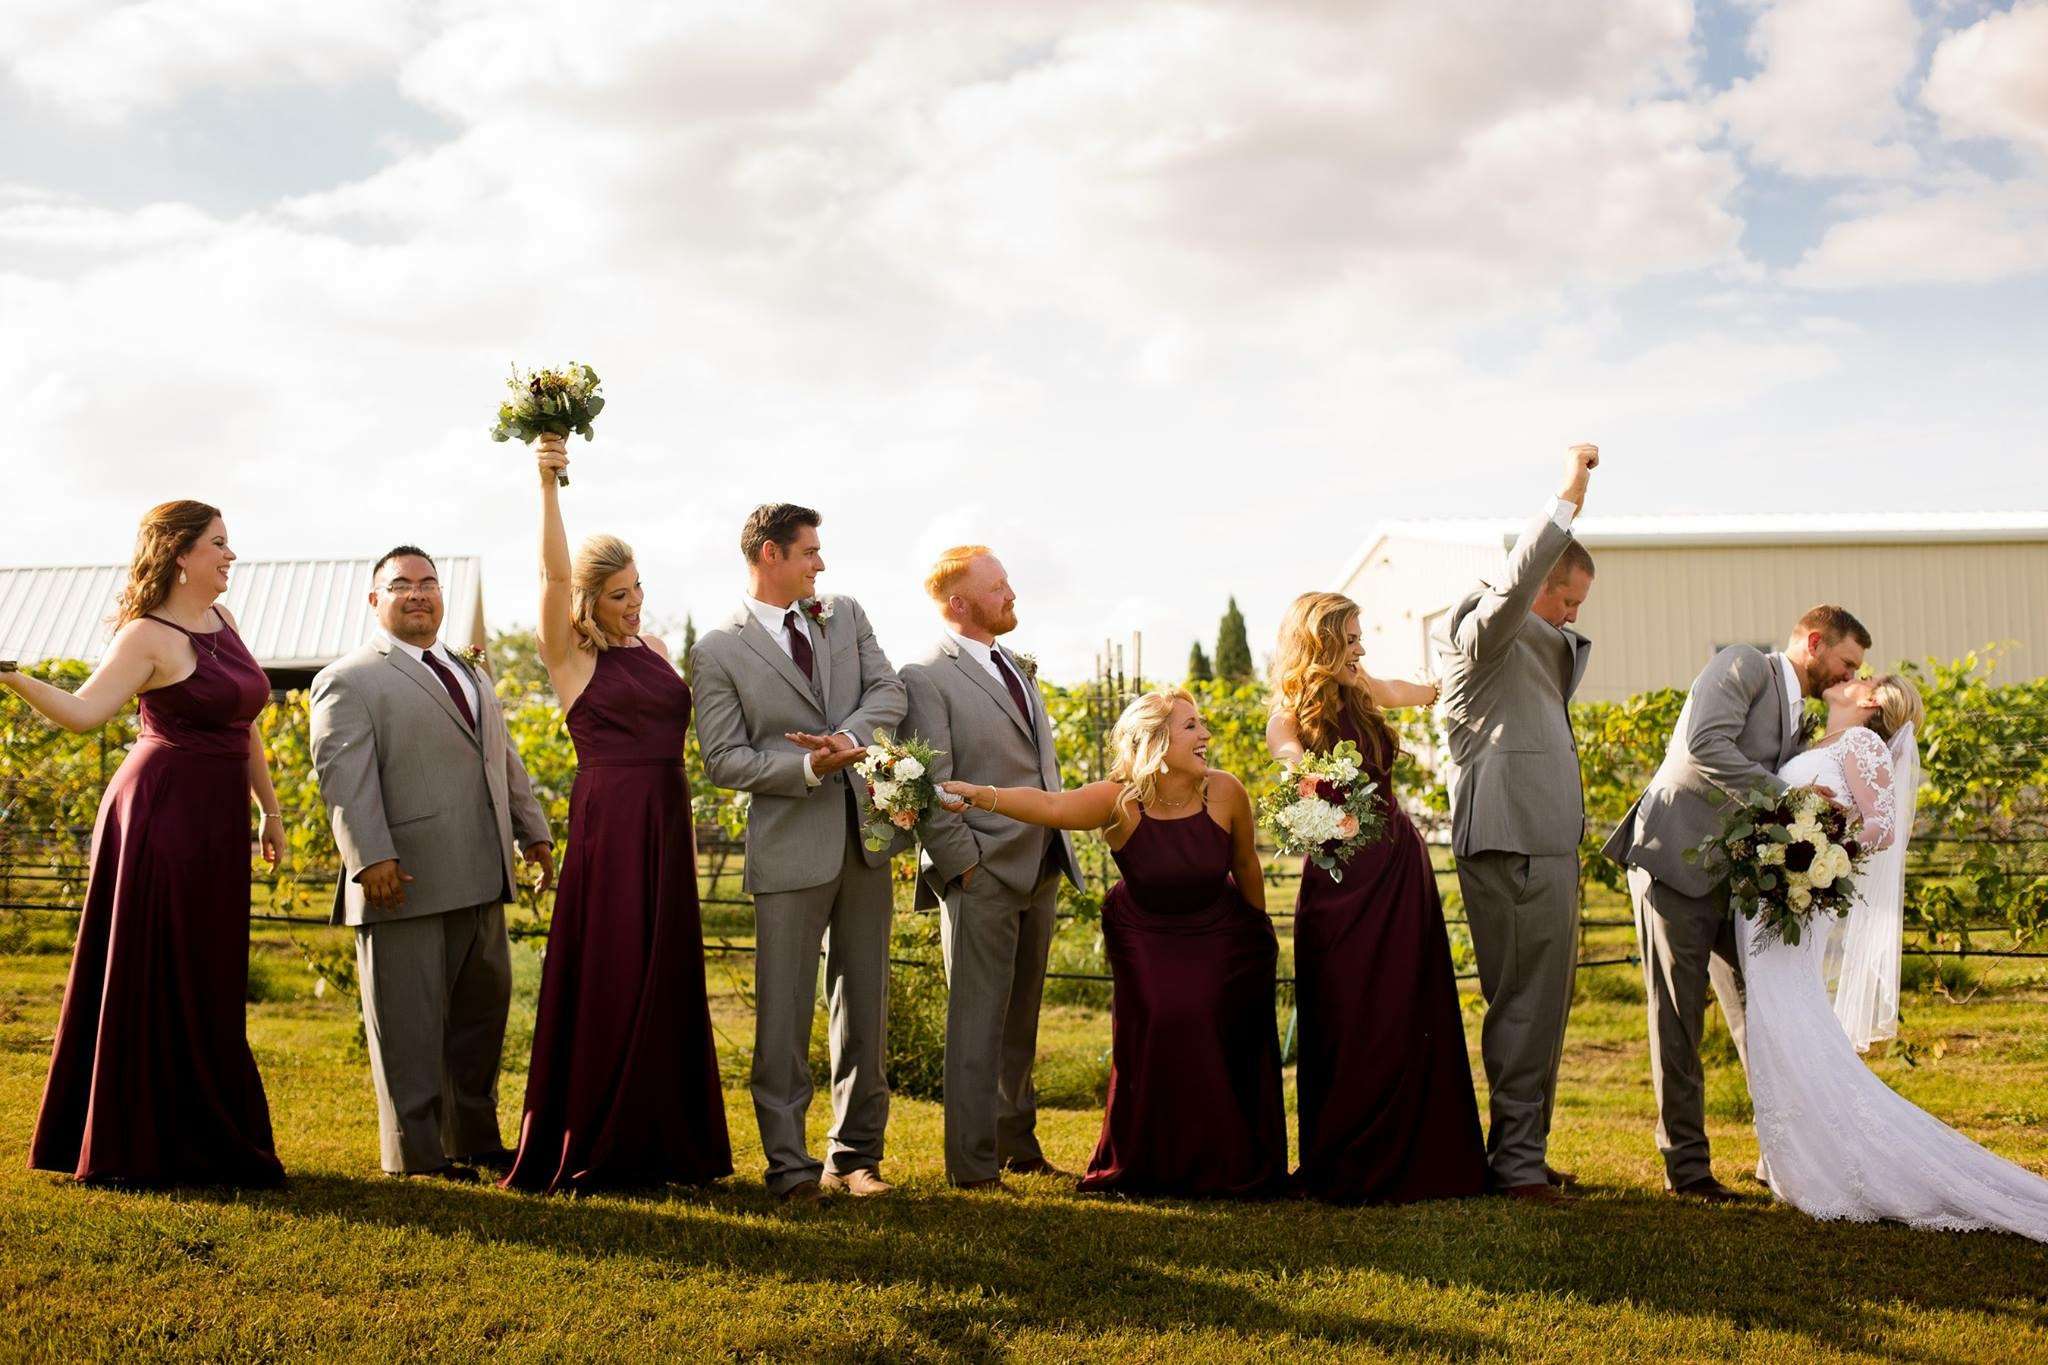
[(1837, 1142)]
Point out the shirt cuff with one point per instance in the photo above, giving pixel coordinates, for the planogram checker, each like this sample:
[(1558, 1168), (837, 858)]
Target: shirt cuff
[(811, 778), (1562, 513)]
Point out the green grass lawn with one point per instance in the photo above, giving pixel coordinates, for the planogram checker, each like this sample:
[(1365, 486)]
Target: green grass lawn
[(345, 1263)]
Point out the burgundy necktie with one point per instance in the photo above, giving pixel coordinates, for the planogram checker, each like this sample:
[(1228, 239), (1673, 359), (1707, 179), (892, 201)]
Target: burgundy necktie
[(799, 641), (454, 687), (1016, 688)]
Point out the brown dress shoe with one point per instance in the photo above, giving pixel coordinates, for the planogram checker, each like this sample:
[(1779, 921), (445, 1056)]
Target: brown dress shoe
[(1707, 1188), (861, 1184), (1036, 1165), (1561, 1179), (993, 1185), (804, 1194), (1545, 1194)]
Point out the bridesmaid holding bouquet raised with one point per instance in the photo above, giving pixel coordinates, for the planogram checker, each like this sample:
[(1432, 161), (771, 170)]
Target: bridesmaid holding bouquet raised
[(623, 1088)]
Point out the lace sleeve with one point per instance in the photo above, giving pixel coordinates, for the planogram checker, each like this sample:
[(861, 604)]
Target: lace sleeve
[(1867, 767)]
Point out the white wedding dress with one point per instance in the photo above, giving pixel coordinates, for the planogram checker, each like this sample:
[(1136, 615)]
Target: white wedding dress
[(1838, 1142)]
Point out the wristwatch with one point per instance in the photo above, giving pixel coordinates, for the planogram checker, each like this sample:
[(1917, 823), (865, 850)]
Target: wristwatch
[(9, 666)]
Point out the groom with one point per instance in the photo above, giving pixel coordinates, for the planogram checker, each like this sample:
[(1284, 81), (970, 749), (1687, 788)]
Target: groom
[(1740, 724), (788, 693)]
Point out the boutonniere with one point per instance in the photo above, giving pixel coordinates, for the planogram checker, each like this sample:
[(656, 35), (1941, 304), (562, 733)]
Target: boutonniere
[(476, 656), (819, 609), (1027, 664), (1812, 722)]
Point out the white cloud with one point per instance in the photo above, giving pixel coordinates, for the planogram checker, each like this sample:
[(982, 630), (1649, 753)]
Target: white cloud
[(1963, 236), (1826, 102), (105, 60), (1991, 79)]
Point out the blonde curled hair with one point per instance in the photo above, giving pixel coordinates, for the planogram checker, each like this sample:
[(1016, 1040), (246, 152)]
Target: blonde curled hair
[(1898, 705), (597, 559), (1139, 740), (168, 530), (1308, 679)]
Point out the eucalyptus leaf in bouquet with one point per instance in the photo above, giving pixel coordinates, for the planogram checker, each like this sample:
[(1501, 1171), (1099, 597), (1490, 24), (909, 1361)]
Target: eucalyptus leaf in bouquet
[(560, 402)]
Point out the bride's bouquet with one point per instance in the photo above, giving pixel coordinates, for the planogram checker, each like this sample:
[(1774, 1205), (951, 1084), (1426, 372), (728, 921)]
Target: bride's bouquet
[(549, 403), (1791, 856), (1324, 807), (900, 787)]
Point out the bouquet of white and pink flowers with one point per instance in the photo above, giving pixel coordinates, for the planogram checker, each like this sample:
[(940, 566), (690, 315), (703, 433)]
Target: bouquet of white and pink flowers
[(550, 403), (1325, 807), (1790, 856), (900, 787)]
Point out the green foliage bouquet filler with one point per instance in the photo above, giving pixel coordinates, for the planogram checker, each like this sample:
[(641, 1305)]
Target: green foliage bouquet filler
[(550, 403)]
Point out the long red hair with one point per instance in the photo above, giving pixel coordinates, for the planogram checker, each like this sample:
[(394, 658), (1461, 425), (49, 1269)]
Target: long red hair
[(1309, 678)]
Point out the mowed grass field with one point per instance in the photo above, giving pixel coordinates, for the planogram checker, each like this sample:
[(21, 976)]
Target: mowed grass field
[(344, 1263)]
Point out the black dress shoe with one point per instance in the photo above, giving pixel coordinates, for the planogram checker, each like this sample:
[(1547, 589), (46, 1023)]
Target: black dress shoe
[(1036, 1165), (500, 1160), (1707, 1188), (1561, 1179)]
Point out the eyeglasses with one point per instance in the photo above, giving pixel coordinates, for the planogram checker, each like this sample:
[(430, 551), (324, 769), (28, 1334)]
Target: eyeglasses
[(426, 587)]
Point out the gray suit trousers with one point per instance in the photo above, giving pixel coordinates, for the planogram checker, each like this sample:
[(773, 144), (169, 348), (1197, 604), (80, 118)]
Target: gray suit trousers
[(849, 917), (1686, 943), (435, 993), (995, 944), (1523, 911)]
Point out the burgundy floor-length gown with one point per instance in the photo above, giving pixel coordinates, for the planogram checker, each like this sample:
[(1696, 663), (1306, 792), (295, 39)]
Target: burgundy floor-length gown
[(623, 1088), (151, 1078), (1194, 1085), (1384, 1084)]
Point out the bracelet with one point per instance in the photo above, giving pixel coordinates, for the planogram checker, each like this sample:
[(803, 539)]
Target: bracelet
[(993, 799), (274, 815)]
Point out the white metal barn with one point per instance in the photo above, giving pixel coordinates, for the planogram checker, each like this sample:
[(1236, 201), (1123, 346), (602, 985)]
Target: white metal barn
[(1669, 591), (297, 615)]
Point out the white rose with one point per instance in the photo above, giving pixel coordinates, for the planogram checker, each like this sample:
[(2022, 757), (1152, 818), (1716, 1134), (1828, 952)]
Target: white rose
[(908, 769), (1822, 873), (885, 792), (1801, 898)]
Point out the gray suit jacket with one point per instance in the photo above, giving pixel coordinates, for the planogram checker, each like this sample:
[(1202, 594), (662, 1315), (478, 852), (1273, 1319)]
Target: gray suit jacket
[(749, 694), (1508, 678), (968, 716), (1734, 734), (405, 777)]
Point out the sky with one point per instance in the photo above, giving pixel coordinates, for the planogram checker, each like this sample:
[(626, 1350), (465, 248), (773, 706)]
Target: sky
[(1164, 302)]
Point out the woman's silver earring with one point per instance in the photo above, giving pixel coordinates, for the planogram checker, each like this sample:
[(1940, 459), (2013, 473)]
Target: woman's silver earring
[(181, 578)]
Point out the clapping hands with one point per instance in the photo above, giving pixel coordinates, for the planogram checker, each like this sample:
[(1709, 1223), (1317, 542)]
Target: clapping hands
[(829, 753)]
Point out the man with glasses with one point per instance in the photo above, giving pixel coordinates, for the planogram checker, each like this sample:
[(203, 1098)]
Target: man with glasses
[(429, 801)]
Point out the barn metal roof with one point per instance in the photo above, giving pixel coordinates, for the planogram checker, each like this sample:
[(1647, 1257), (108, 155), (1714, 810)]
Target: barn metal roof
[(294, 613), (1635, 532)]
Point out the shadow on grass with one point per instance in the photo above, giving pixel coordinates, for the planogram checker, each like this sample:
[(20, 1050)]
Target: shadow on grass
[(1073, 1262)]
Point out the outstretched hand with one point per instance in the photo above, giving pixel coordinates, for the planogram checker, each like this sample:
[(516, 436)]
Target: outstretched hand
[(957, 796), (829, 753)]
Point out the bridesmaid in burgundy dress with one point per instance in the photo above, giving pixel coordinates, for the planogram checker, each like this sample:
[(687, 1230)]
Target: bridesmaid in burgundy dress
[(1384, 1085), (1194, 1084), (623, 1089), (151, 1079)]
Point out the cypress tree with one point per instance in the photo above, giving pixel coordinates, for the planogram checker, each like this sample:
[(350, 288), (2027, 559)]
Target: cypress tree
[(1198, 664), (1233, 650)]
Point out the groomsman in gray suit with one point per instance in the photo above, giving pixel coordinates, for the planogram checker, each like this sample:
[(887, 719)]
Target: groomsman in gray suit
[(997, 879), (428, 800), (1511, 664), (789, 691), (1740, 724)]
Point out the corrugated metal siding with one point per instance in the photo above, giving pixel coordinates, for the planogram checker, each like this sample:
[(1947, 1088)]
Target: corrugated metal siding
[(300, 613), (1656, 615)]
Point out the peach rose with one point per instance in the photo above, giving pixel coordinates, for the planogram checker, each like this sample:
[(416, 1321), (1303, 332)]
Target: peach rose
[(1305, 788), (904, 819), (1347, 826)]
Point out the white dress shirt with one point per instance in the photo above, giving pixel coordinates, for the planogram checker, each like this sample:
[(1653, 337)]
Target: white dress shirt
[(985, 655), (775, 620), (463, 677), (1563, 513), (1794, 699)]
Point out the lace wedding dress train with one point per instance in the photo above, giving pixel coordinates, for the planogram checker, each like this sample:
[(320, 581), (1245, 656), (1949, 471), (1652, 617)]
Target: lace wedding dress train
[(1838, 1142)]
